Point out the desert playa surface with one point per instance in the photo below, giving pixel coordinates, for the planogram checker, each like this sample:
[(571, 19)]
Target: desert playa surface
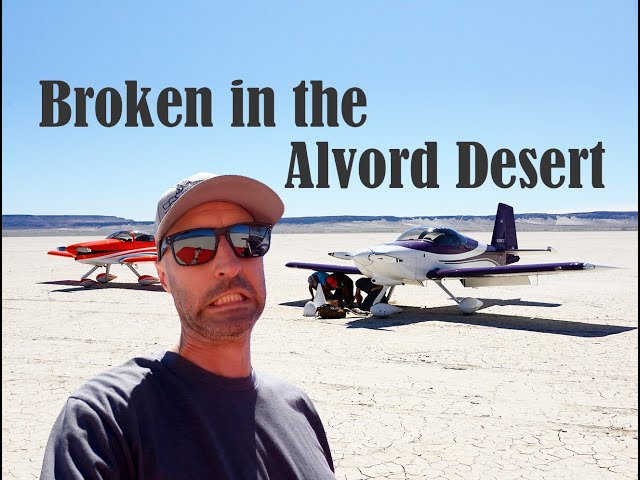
[(541, 383)]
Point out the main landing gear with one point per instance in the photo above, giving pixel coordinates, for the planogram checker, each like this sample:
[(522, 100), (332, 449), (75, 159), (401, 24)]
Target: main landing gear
[(466, 305), (144, 280)]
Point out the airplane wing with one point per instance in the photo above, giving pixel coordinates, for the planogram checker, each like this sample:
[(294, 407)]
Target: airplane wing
[(512, 270), (149, 258), (348, 269), (58, 253)]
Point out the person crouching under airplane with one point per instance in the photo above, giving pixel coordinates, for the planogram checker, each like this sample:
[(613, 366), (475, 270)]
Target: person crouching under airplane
[(318, 279), (342, 287), (372, 290)]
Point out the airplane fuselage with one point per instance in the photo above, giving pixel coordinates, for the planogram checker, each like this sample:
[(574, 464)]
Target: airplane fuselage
[(397, 262), (104, 258), (109, 251)]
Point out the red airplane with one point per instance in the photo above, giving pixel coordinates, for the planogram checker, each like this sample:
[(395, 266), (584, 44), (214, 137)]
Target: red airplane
[(125, 247)]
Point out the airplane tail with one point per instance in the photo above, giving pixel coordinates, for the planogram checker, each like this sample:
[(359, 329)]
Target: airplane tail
[(504, 232)]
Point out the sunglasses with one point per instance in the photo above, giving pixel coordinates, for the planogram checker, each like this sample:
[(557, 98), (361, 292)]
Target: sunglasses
[(198, 246)]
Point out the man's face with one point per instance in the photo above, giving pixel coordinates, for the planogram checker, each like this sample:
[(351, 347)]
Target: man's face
[(222, 299)]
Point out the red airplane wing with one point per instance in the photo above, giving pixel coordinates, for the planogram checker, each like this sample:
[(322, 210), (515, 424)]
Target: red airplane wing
[(60, 254)]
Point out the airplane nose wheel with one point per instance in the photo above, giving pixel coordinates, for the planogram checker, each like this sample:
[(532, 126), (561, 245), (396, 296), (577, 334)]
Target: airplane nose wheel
[(85, 281), (379, 309)]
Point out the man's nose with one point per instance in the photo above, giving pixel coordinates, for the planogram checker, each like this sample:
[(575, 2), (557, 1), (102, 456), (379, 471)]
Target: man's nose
[(226, 263)]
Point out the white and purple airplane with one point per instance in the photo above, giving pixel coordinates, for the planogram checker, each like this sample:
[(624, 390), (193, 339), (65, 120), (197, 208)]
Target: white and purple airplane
[(423, 254)]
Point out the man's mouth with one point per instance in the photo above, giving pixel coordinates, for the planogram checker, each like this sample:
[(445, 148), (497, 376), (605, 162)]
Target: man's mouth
[(229, 298)]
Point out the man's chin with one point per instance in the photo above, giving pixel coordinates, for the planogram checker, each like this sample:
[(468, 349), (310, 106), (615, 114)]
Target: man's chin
[(226, 332), (226, 321)]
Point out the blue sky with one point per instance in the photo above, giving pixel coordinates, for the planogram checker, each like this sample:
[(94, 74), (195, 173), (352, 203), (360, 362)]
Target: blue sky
[(506, 74)]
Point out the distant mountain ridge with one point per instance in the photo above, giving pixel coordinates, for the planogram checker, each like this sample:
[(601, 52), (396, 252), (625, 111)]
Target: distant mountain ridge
[(64, 221), (86, 224), (522, 216)]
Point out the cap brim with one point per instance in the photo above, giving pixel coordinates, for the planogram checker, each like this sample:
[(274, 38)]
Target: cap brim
[(259, 200)]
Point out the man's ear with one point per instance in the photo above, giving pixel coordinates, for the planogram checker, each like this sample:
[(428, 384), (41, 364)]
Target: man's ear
[(162, 276)]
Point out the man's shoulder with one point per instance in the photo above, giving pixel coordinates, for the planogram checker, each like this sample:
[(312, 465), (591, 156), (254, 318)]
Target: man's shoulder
[(291, 407), (271, 382), (274, 387), (118, 384)]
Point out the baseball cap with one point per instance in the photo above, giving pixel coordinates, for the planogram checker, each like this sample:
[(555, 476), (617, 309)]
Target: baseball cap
[(332, 281), (260, 201)]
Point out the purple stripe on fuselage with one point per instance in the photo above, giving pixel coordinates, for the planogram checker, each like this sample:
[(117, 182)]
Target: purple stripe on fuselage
[(427, 246)]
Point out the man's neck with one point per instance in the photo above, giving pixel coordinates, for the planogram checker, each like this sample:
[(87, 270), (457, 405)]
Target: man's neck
[(231, 359)]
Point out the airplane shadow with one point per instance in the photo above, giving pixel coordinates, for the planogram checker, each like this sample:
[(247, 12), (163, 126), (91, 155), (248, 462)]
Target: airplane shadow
[(295, 303), (76, 287), (488, 302), (493, 302), (451, 314)]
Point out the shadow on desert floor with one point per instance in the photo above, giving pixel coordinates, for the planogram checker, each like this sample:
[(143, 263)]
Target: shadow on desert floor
[(411, 315), (451, 314), (77, 287)]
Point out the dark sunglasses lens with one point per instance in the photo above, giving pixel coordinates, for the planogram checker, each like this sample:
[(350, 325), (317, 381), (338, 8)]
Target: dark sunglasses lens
[(194, 248), (250, 240)]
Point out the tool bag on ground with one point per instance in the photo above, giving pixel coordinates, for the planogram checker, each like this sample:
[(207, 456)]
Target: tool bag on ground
[(330, 311)]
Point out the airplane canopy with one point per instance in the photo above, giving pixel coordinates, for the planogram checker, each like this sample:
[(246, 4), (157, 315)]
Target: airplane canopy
[(437, 235), (131, 235)]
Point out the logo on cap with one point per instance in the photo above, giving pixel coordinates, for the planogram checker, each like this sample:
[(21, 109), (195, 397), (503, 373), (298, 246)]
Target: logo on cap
[(181, 188)]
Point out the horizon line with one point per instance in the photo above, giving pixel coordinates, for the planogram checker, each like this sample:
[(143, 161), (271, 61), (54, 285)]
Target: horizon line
[(338, 215)]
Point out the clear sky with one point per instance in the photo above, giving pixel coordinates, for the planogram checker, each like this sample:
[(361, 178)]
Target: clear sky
[(506, 74)]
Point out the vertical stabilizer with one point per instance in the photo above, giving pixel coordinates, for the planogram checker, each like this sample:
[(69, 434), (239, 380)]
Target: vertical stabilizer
[(504, 229)]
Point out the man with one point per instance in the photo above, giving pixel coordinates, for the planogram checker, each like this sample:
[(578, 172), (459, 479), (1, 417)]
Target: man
[(372, 290), (198, 410), (318, 279), (343, 287)]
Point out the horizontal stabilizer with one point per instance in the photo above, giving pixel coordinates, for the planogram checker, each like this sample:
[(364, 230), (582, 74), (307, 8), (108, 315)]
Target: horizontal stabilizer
[(321, 267)]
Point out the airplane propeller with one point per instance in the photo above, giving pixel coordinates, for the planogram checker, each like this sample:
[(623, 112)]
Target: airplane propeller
[(343, 255)]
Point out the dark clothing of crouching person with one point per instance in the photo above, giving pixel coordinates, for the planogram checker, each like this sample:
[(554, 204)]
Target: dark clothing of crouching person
[(371, 289), (342, 287)]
